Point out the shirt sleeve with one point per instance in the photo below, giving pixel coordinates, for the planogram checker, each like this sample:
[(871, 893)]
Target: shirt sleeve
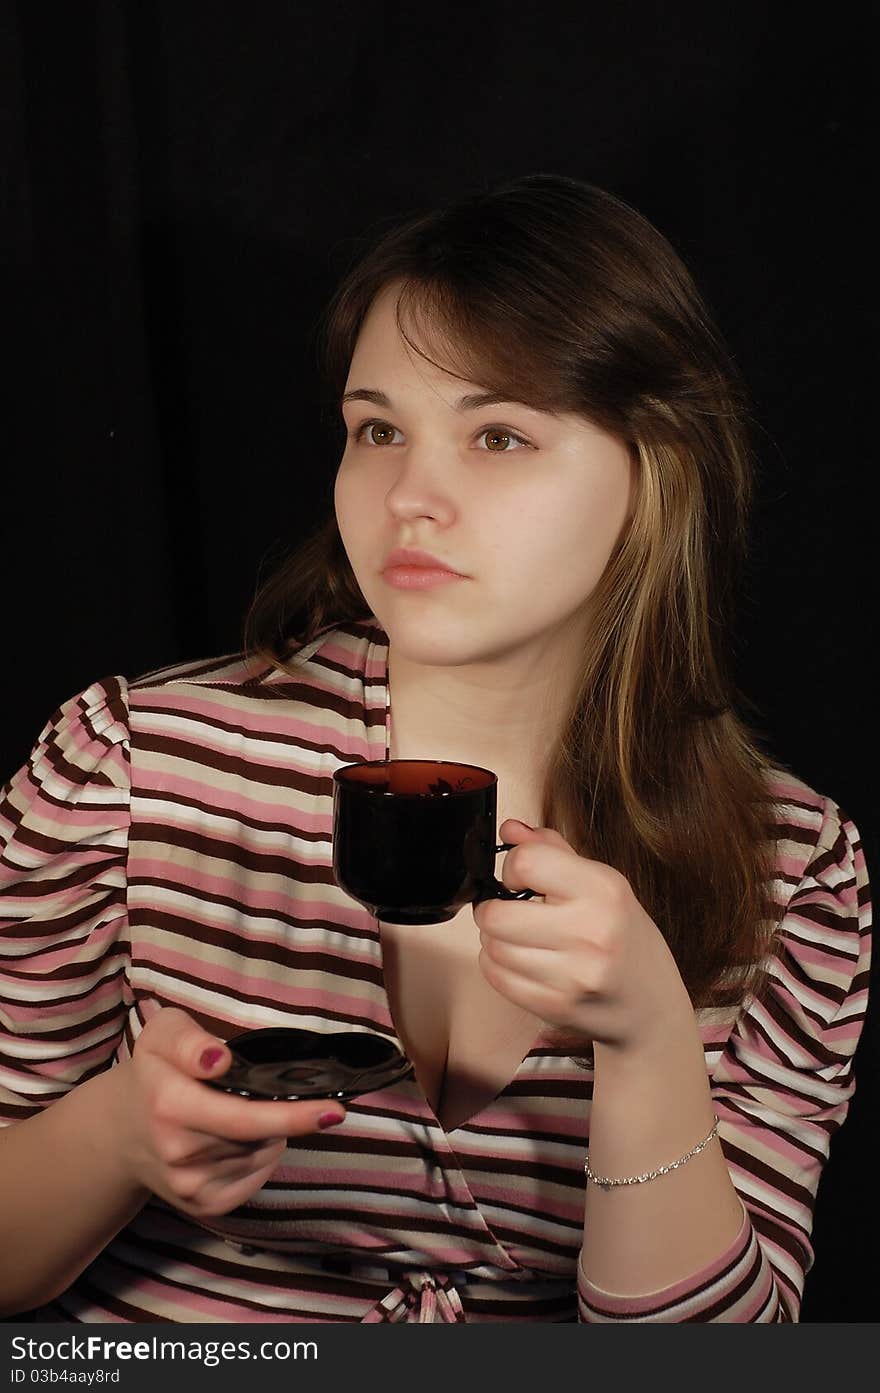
[(64, 821), (781, 1089)]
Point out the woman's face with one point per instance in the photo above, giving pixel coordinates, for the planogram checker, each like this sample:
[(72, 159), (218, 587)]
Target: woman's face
[(525, 504)]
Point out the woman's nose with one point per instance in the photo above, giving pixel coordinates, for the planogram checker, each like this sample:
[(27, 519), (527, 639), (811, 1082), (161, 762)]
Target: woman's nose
[(421, 487)]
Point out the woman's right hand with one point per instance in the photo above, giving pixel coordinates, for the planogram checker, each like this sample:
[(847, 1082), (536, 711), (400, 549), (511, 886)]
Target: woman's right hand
[(203, 1151)]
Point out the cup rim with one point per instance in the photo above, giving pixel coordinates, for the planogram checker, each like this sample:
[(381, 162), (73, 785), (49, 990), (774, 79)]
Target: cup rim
[(373, 789)]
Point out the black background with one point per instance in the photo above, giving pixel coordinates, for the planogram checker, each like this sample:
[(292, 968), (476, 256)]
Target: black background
[(185, 184)]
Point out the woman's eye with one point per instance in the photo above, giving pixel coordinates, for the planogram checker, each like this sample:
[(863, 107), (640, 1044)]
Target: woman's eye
[(498, 438), (376, 430)]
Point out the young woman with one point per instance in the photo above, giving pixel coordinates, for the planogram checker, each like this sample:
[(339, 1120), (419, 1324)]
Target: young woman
[(624, 1089)]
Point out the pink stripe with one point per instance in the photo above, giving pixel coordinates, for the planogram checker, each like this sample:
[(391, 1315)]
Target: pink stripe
[(261, 809), (222, 1309), (522, 1198), (783, 789), (316, 1176), (225, 886), (790, 864), (87, 816), (89, 1001), (78, 737), (281, 727), (248, 930), (60, 1069), (192, 701), (607, 1303), (506, 1118), (769, 1141), (214, 974), (827, 963)]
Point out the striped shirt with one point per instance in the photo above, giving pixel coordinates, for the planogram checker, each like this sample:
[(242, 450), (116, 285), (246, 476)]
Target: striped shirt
[(169, 844)]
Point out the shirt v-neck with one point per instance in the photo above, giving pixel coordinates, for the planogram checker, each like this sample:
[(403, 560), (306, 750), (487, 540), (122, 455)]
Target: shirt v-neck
[(378, 684)]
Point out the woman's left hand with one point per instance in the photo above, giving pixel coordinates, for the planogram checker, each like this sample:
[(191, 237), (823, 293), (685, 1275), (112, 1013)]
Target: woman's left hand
[(585, 957)]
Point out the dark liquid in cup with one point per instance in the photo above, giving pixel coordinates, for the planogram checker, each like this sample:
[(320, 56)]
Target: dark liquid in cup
[(414, 840)]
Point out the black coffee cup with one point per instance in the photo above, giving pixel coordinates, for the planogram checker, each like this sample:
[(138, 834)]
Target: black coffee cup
[(414, 839)]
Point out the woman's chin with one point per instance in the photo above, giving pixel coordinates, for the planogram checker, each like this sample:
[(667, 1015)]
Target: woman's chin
[(432, 643)]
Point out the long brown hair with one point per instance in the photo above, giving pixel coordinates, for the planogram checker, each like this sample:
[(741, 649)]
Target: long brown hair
[(558, 294)]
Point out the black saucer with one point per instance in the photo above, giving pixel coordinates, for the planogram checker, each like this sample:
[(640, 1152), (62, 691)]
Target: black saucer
[(282, 1063)]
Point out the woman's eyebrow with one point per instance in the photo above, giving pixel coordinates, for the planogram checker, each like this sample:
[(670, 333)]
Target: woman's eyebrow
[(469, 402)]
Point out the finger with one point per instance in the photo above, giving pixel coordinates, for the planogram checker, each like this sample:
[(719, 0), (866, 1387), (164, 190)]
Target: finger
[(210, 1150), (513, 921), (175, 1037), (539, 965), (535, 997), (521, 834), (222, 1196), (207, 1110), (541, 866), (245, 1162), (544, 852)]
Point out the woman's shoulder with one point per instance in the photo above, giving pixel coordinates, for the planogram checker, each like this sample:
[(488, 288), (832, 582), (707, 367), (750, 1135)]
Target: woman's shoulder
[(342, 648), (822, 884), (806, 822)]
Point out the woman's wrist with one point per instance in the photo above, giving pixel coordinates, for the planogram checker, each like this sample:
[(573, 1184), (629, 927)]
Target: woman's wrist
[(107, 1106), (662, 1021)]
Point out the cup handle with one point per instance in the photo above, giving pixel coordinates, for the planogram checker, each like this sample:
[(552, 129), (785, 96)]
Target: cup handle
[(497, 891)]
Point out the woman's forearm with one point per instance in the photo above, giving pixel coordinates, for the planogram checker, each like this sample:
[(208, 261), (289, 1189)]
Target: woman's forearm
[(648, 1110), (63, 1193)]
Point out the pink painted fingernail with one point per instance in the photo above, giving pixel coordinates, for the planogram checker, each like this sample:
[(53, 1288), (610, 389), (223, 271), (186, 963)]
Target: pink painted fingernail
[(330, 1119), (209, 1058)]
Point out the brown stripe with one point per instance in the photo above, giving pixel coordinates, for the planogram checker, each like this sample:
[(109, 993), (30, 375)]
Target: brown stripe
[(251, 773), (656, 1308), (822, 915), (56, 846), (186, 672), (729, 1299), (533, 1308), (775, 1180), (92, 1025), (80, 875), (779, 1232), (222, 849), (571, 1176), (33, 931), (827, 991), (199, 717), (253, 911), (74, 773), (82, 1287), (819, 1053), (844, 924), (539, 1241), (242, 819), (284, 955), (835, 858), (257, 1276), (392, 1222), (63, 804), (791, 832), (792, 802), (113, 1260), (240, 996)]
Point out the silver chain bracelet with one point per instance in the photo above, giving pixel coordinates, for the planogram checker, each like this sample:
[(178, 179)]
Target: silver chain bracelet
[(606, 1182)]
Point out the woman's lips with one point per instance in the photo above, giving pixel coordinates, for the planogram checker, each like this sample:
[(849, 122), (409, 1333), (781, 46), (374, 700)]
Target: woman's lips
[(418, 577)]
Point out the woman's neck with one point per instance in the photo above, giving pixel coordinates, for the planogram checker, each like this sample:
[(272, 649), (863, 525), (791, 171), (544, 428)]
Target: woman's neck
[(504, 716)]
